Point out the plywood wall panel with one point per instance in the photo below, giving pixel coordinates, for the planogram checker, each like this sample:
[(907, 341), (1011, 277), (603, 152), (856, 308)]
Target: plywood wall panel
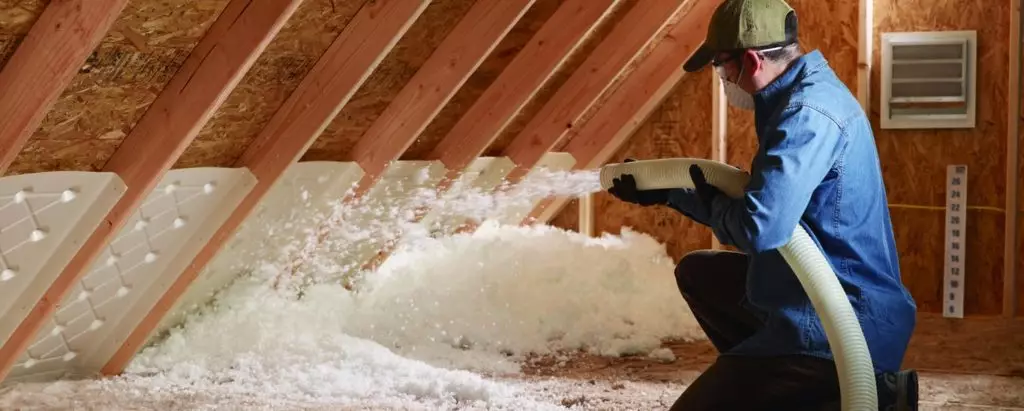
[(915, 161), (921, 259), (147, 44), (1020, 215), (568, 218), (276, 73)]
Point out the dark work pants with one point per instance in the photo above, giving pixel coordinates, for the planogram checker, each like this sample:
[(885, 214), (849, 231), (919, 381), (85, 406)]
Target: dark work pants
[(713, 283)]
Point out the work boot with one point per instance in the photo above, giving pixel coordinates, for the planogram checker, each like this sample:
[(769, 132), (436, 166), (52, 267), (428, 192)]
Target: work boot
[(897, 391)]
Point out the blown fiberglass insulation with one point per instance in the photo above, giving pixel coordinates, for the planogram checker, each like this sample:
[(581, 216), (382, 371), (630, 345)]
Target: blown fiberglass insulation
[(440, 325)]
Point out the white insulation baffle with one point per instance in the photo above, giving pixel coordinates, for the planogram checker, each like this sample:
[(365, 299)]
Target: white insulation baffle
[(517, 211), (481, 177), (405, 186), (956, 241), (300, 199), (133, 271), (44, 219)]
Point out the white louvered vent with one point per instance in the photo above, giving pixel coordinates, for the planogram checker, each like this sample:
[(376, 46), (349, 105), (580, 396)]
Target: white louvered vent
[(928, 79)]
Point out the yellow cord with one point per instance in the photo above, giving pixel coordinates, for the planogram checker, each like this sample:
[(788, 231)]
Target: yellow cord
[(940, 208)]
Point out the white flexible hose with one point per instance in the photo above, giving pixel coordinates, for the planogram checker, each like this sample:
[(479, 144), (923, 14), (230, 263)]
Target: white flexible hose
[(845, 337)]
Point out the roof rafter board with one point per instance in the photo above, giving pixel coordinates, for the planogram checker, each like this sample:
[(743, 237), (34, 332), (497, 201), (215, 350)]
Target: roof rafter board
[(335, 78), (632, 102), (459, 55), (451, 64), (44, 64), (610, 59), (547, 51), (205, 79)]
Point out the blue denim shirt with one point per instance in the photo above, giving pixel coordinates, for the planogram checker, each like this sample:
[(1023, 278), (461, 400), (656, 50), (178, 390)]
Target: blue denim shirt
[(817, 165)]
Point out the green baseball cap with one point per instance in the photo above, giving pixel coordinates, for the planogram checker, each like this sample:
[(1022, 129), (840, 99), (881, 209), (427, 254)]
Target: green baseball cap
[(745, 24)]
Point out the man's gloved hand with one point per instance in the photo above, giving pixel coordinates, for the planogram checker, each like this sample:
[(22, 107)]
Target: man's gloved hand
[(624, 188), (705, 192)]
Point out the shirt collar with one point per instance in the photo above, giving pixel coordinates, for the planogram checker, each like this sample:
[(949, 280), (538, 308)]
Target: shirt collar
[(768, 97)]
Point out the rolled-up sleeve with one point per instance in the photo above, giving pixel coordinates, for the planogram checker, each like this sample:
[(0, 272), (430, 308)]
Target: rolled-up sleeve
[(796, 156)]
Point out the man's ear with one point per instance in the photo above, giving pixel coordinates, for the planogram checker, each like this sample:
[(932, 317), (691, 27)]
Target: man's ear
[(752, 62)]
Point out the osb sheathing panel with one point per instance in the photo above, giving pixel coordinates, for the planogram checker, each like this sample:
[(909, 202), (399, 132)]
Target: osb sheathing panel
[(915, 161), (477, 83), (370, 101), (569, 217), (16, 18), (148, 42), (560, 77), (673, 130), (274, 76), (1020, 215)]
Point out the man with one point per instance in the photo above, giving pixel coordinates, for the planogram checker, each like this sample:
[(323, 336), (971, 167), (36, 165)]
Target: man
[(816, 166)]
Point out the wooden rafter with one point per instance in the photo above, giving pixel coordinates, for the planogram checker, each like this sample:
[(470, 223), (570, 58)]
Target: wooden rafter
[(207, 77), (719, 130), (561, 115), (43, 65), (634, 100), (546, 52), (519, 82), (440, 77), (581, 91), (335, 78)]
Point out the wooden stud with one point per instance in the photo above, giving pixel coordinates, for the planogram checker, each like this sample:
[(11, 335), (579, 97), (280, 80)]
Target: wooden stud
[(586, 215), (719, 130), (865, 47), (43, 65), (593, 144), (440, 77), (335, 78), (1012, 182), (208, 75), (581, 91)]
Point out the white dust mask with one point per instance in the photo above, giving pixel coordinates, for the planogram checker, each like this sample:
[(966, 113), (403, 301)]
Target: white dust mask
[(736, 96)]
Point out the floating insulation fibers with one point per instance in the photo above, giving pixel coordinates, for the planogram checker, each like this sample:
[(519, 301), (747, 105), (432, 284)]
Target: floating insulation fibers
[(334, 249), (482, 205)]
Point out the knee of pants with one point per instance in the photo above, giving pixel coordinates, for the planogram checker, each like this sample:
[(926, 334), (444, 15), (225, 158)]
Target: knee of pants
[(690, 268)]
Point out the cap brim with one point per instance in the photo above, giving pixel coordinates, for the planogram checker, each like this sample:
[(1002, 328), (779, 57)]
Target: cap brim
[(699, 59)]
